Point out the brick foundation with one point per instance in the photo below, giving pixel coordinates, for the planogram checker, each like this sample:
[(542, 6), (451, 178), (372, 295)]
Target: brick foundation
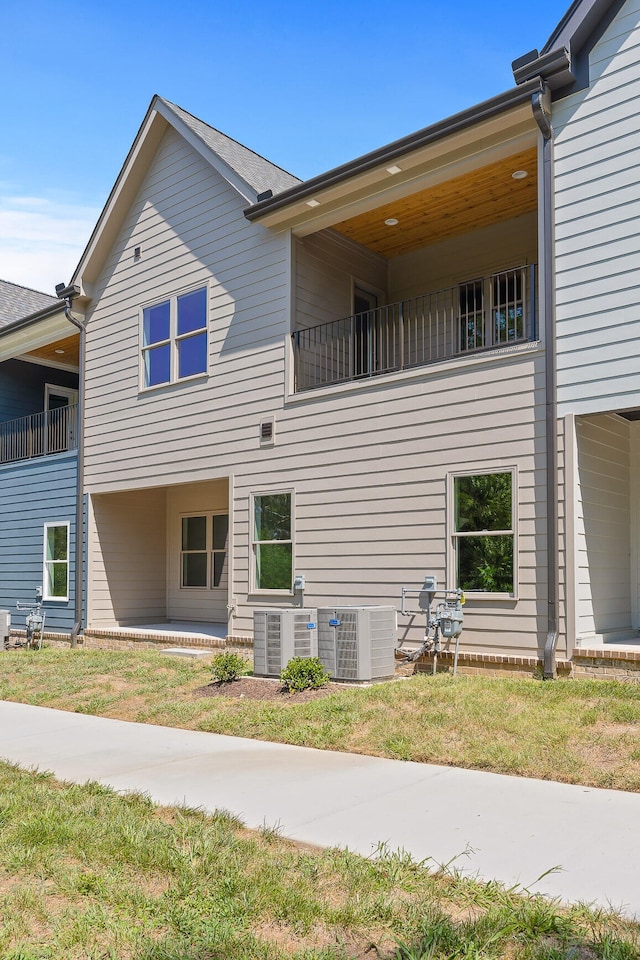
[(599, 664), (471, 664), (130, 640)]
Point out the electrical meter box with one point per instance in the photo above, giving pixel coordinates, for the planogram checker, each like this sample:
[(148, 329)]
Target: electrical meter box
[(450, 621)]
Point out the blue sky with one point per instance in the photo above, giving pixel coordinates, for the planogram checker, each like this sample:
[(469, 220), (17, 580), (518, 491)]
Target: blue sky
[(307, 85)]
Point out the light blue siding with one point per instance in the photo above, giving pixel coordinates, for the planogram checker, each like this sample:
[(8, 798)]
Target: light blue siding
[(33, 493)]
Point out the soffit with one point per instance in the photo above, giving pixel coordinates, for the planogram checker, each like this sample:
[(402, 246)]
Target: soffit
[(468, 202), (70, 355)]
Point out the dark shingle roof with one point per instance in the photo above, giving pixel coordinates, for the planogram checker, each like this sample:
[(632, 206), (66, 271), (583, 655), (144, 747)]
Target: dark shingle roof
[(257, 172), (17, 302)]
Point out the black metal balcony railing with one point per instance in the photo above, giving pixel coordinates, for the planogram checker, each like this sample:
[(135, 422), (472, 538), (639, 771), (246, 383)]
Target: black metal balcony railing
[(493, 311), (40, 434)]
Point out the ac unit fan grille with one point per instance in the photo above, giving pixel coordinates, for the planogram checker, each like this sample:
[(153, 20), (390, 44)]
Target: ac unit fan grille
[(274, 644), (301, 636), (347, 648)]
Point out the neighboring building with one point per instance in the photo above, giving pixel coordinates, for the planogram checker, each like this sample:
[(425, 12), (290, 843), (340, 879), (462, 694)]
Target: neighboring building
[(38, 455), (596, 121)]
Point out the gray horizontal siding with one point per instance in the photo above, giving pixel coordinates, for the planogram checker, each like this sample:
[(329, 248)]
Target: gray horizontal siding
[(597, 185), (32, 494)]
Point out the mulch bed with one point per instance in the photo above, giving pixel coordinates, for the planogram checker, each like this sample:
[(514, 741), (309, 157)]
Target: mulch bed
[(257, 688)]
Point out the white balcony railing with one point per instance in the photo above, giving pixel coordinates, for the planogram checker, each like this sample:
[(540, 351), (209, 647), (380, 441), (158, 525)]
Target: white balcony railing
[(493, 311), (39, 435)]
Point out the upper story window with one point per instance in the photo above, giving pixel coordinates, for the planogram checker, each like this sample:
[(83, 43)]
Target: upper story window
[(174, 339), (492, 310)]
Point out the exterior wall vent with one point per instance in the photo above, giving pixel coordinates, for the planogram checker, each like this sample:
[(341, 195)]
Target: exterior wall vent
[(267, 431), (279, 635), (357, 643)]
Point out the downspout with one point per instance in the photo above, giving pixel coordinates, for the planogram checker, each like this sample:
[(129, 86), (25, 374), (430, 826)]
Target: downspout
[(67, 294), (541, 106)]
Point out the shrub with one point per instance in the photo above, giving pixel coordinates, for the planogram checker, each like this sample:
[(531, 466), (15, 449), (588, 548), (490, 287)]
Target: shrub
[(304, 673), (229, 666)]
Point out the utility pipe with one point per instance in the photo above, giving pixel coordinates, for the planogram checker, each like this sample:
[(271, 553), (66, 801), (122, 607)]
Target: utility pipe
[(67, 294)]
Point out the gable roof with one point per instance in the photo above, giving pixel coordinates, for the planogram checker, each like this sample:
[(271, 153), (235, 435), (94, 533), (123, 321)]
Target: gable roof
[(258, 173), (247, 172), (17, 302)]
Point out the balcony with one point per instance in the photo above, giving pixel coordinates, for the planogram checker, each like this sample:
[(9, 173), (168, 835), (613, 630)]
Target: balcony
[(470, 318), (39, 435)]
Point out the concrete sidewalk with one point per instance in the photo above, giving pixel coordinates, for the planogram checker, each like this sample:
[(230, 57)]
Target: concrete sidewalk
[(504, 828)]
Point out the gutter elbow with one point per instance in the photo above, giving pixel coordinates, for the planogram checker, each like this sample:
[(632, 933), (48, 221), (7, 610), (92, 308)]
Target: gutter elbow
[(541, 106)]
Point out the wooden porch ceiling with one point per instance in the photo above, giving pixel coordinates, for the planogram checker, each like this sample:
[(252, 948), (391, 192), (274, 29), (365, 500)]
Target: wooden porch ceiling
[(70, 347), (478, 199)]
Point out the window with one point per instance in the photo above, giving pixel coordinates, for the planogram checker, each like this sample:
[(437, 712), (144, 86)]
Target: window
[(491, 311), (55, 572), (272, 542), (203, 550), (484, 532), (174, 339)]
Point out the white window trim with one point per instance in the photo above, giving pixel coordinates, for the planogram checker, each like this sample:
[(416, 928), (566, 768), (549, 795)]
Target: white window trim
[(366, 287), (174, 338), (253, 589), (452, 536), (52, 388), (45, 578), (208, 514), (488, 335)]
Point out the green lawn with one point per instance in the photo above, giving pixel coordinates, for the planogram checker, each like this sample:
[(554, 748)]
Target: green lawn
[(86, 874), (576, 731)]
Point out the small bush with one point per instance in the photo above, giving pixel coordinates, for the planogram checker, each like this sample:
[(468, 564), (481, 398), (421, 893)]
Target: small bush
[(304, 673), (229, 666)]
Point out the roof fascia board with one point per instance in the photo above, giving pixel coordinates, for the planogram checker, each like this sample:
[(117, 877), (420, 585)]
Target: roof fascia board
[(577, 33), (32, 318), (32, 333), (207, 153), (384, 156), (122, 195), (579, 23)]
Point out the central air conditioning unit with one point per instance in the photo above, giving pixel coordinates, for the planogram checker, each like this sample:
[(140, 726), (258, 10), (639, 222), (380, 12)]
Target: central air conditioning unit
[(5, 628), (279, 635), (357, 643)]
